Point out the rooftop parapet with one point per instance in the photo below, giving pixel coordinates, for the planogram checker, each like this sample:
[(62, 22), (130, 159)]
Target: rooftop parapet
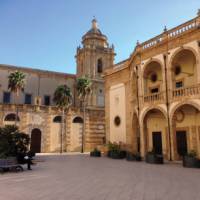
[(170, 34)]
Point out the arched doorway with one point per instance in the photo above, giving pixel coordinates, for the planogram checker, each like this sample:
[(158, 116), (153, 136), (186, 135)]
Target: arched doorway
[(155, 132), (186, 130), (36, 140), (76, 134)]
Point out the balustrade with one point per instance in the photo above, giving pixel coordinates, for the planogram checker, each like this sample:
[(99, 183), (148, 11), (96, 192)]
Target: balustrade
[(186, 91), (154, 98)]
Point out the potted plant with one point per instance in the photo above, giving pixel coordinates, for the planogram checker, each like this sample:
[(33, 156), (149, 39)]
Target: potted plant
[(95, 153), (115, 152), (153, 158), (190, 160), (133, 156)]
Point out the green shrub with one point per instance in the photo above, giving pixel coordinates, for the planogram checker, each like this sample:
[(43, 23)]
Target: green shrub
[(192, 154), (12, 142), (113, 147)]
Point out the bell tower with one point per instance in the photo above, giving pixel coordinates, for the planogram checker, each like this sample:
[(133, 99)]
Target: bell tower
[(92, 58)]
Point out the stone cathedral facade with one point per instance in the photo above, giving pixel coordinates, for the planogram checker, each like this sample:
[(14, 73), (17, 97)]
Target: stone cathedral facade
[(153, 98), (37, 114)]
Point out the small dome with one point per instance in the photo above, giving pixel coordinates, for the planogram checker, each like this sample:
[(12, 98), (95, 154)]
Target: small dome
[(94, 31)]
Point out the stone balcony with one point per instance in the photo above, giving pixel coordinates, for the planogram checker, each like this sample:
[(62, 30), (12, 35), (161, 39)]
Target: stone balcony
[(176, 95), (155, 98), (186, 92)]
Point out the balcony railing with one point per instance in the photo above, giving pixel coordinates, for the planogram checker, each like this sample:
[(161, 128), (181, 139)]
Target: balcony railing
[(179, 30), (154, 98), (186, 91)]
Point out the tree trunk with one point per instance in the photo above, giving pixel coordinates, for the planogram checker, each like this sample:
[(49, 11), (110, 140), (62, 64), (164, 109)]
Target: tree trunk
[(83, 132), (16, 107), (61, 132)]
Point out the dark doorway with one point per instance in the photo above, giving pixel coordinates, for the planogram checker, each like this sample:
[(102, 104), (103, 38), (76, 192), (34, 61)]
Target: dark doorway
[(181, 141), (157, 142), (36, 140)]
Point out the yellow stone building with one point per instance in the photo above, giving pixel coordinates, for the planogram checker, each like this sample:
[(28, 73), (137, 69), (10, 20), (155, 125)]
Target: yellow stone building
[(37, 114), (152, 99)]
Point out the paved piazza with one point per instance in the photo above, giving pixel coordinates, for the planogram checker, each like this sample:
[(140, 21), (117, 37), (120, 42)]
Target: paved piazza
[(79, 177)]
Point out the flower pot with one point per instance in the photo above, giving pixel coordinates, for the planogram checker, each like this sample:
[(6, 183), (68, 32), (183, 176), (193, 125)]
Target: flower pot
[(95, 154), (191, 162), (133, 157), (130, 157), (154, 159), (117, 154)]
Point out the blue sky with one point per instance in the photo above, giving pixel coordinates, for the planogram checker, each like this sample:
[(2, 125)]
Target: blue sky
[(45, 33)]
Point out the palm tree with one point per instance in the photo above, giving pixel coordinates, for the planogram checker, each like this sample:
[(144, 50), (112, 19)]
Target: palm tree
[(84, 89), (63, 99), (16, 83)]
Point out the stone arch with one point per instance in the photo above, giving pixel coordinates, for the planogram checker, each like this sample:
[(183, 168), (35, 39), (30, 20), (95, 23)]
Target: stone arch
[(99, 65), (152, 76), (183, 68), (76, 135), (185, 121), (144, 113), (36, 136), (11, 117), (181, 49), (149, 62), (178, 105), (154, 131), (57, 119), (77, 119)]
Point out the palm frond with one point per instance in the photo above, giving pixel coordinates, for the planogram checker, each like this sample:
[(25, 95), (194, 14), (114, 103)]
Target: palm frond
[(84, 87), (16, 81), (63, 96)]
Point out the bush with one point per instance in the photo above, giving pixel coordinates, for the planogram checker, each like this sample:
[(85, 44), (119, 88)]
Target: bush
[(191, 160), (133, 156), (114, 151), (95, 153), (12, 142)]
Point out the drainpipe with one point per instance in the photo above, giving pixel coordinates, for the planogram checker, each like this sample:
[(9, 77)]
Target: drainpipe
[(167, 105)]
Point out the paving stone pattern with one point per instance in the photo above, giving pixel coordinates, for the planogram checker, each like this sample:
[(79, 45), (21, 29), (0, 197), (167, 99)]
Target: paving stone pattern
[(79, 177)]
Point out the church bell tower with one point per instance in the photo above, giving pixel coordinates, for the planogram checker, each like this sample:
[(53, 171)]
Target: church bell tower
[(92, 58)]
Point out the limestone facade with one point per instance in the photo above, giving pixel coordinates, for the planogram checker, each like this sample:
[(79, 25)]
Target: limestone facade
[(37, 114), (160, 96)]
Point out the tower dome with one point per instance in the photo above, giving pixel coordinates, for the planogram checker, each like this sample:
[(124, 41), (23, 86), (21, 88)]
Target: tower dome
[(94, 36)]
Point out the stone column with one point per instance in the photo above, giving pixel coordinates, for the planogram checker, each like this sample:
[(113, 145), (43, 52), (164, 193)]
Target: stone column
[(142, 141), (47, 132), (173, 134), (198, 141)]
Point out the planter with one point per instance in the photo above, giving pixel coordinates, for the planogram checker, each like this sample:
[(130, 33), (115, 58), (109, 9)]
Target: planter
[(95, 154), (191, 162), (154, 159), (133, 157), (117, 154)]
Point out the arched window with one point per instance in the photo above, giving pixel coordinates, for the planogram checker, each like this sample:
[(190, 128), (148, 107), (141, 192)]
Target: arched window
[(57, 119), (99, 65), (78, 120), (11, 117)]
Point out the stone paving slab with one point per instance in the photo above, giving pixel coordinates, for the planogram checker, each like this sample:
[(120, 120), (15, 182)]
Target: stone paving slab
[(79, 177)]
